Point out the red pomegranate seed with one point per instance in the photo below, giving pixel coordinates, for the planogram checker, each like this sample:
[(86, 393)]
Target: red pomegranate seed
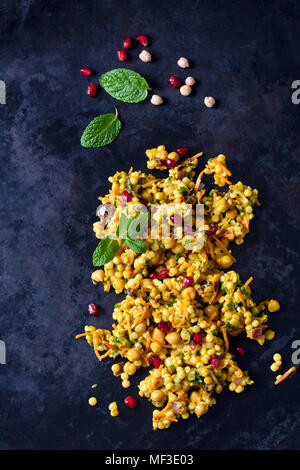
[(156, 361), (176, 219), (131, 402), (215, 361), (188, 281), (126, 196), (174, 82), (142, 39), (182, 151), (212, 229), (92, 90), (241, 351), (163, 273), (169, 163), (153, 276), (256, 333), (164, 326), (122, 55), (86, 71), (126, 43), (93, 310), (197, 338)]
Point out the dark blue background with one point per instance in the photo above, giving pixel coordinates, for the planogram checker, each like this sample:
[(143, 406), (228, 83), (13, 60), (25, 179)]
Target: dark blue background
[(246, 54)]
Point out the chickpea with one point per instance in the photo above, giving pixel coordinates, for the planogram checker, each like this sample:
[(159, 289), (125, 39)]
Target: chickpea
[(157, 395), (130, 368), (273, 306), (185, 90), (225, 261), (210, 310), (92, 401), (158, 335), (156, 100), (183, 63), (133, 355), (155, 347), (98, 276), (140, 328), (209, 101), (173, 337), (189, 292), (190, 81), (145, 56)]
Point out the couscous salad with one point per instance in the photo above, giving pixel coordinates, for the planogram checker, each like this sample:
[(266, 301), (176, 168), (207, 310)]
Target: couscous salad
[(183, 300)]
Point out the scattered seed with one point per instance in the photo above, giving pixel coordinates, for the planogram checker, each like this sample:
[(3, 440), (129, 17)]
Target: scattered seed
[(156, 100), (92, 90), (185, 90), (190, 81), (122, 55), (183, 63), (93, 401), (209, 101), (145, 56)]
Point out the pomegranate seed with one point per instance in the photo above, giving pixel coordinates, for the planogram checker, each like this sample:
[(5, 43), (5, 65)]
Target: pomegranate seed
[(122, 55), (193, 345), (256, 333), (197, 338), (164, 326), (169, 163), (163, 273), (174, 82), (212, 229), (191, 200), (241, 351), (142, 39), (126, 43), (92, 90), (131, 402), (215, 361), (86, 71), (93, 310), (176, 219), (182, 151), (188, 281), (153, 276), (156, 361), (126, 196)]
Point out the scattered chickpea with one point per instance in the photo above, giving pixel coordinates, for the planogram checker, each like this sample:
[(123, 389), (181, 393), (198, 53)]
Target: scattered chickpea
[(94, 385), (156, 100), (209, 101), (113, 408), (274, 367), (92, 401), (277, 357), (185, 90), (183, 63), (273, 306), (145, 56), (190, 81)]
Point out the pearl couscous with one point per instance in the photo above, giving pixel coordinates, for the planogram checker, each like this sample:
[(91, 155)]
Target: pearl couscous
[(182, 305)]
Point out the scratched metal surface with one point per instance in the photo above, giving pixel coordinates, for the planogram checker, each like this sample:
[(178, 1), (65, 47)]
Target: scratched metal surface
[(246, 55)]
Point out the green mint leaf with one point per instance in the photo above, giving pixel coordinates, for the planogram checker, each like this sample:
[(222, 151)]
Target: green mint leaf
[(125, 85), (138, 225), (122, 227), (105, 251), (101, 131), (137, 245)]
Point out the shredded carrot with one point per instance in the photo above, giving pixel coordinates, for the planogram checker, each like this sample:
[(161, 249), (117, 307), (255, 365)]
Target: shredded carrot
[(83, 334), (211, 248), (257, 203), (228, 172), (212, 317), (225, 339), (285, 375), (227, 181), (223, 247), (241, 297), (201, 194), (197, 155), (130, 171), (240, 372), (248, 282), (104, 355), (148, 342), (198, 181), (96, 351), (246, 222)]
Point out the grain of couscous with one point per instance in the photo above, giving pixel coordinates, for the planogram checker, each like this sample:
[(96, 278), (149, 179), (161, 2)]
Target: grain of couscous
[(182, 305)]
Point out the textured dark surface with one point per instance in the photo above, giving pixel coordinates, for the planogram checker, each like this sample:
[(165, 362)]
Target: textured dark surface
[(245, 54)]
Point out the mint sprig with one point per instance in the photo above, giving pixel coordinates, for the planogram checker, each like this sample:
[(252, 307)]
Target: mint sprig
[(101, 131), (105, 251)]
